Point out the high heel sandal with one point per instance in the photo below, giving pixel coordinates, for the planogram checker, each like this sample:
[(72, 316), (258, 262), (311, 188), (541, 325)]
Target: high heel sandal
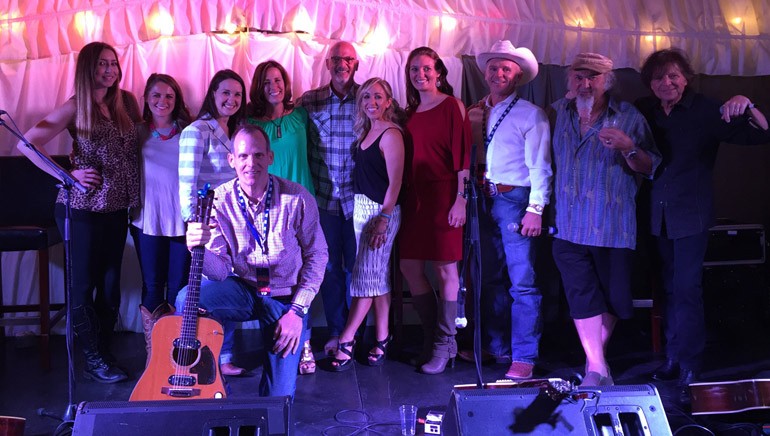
[(339, 365), (378, 359), (307, 361)]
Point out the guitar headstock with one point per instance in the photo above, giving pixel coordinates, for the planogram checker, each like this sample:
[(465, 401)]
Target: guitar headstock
[(203, 205)]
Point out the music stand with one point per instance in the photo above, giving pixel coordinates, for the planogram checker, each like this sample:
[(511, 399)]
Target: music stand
[(67, 183)]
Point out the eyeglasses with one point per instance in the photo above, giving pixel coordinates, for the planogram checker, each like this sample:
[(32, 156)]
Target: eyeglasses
[(339, 59)]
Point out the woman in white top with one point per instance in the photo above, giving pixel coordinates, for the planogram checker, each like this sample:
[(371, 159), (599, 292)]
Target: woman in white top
[(156, 225)]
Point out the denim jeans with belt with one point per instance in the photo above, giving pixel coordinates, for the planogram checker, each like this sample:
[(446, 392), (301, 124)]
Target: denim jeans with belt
[(526, 324), (233, 300)]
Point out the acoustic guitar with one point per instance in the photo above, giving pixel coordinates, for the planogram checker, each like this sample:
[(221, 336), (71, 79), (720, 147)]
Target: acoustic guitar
[(184, 359), (730, 396)]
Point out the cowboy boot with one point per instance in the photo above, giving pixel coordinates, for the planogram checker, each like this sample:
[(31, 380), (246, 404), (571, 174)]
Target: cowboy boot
[(444, 344), (425, 306), (149, 320), (86, 328)]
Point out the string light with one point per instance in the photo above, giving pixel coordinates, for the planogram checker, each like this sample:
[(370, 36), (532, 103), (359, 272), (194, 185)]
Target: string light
[(302, 22), (448, 23), (86, 24), (377, 41), (163, 22), (230, 27)]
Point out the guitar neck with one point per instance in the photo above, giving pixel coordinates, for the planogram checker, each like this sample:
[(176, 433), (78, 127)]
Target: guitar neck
[(192, 300)]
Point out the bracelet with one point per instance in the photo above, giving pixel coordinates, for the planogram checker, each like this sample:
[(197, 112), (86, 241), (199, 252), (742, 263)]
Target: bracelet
[(385, 215), (462, 194)]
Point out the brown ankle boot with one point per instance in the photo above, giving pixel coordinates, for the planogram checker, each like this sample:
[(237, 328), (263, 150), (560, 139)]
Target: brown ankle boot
[(444, 345), (149, 320), (425, 305)]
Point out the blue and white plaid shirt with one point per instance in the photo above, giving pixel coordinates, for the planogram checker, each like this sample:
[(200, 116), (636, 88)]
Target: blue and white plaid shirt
[(330, 147)]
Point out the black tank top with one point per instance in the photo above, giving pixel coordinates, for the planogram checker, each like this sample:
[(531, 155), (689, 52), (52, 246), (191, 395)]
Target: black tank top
[(370, 174)]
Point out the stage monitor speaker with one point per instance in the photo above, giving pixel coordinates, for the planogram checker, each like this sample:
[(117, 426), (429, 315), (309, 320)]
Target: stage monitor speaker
[(255, 417), (607, 410)]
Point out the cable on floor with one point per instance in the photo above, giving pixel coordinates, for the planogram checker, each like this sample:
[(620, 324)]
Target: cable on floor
[(357, 425)]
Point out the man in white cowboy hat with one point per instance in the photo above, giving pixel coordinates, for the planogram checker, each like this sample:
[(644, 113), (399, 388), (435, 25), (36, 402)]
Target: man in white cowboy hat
[(513, 140)]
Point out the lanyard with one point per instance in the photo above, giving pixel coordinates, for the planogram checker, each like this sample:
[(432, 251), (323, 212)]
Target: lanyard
[(266, 219), (488, 138)]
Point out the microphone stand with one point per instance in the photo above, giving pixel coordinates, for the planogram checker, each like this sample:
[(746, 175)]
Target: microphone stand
[(67, 183), (471, 263)]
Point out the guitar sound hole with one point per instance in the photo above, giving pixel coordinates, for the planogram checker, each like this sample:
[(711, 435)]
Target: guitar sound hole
[(185, 356)]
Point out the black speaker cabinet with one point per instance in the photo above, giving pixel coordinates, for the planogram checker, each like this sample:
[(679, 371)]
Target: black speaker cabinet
[(628, 410), (256, 417)]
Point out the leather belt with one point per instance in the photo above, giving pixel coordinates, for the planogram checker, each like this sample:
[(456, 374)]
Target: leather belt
[(502, 188), (492, 189)]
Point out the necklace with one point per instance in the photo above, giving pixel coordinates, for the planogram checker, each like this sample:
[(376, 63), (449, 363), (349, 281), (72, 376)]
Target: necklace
[(156, 134), (278, 133)]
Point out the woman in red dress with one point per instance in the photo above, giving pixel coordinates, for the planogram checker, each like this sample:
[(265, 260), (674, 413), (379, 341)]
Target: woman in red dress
[(434, 207)]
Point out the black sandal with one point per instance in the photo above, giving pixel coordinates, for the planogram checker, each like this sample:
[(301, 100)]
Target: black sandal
[(339, 365), (378, 359)]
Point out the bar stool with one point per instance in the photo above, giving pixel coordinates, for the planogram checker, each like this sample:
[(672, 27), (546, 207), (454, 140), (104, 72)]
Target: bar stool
[(27, 224)]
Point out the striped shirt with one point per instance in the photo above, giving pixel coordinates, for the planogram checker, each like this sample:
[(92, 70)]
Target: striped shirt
[(203, 148), (297, 252), (595, 190), (330, 147)]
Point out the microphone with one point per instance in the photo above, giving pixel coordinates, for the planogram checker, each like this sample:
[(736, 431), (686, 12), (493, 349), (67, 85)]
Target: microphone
[(461, 321), (516, 228)]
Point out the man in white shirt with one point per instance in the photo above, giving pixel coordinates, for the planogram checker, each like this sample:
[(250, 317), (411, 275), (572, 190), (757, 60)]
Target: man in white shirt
[(516, 136)]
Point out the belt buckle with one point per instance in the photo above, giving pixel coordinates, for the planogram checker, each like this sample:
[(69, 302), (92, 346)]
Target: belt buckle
[(490, 189)]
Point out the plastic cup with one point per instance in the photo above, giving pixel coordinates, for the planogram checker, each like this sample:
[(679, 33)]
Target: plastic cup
[(408, 414)]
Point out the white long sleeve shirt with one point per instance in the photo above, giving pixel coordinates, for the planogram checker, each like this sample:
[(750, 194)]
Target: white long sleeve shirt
[(520, 151)]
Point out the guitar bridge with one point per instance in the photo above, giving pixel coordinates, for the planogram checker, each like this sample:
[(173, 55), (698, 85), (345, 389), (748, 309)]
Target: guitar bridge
[(180, 392)]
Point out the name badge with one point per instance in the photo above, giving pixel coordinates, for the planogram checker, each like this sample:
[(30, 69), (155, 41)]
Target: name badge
[(263, 281)]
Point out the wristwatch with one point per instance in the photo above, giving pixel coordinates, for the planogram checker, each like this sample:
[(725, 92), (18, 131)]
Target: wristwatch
[(631, 155), (535, 208), (300, 311)]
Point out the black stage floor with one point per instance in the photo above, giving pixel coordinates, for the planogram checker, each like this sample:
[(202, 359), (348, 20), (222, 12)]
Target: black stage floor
[(322, 396)]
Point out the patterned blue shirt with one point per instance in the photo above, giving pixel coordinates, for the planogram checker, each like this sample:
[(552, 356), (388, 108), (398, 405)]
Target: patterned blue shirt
[(595, 190), (330, 147)]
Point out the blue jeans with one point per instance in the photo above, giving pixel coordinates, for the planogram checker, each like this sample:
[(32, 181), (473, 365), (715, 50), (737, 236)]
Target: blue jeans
[(232, 300), (335, 288), (526, 324), (495, 298), (165, 264)]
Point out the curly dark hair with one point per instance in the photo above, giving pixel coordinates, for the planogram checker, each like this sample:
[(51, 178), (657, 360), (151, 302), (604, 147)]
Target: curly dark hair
[(658, 60)]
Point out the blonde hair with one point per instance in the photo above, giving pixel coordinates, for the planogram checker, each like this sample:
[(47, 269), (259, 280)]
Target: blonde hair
[(87, 111), (393, 113)]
